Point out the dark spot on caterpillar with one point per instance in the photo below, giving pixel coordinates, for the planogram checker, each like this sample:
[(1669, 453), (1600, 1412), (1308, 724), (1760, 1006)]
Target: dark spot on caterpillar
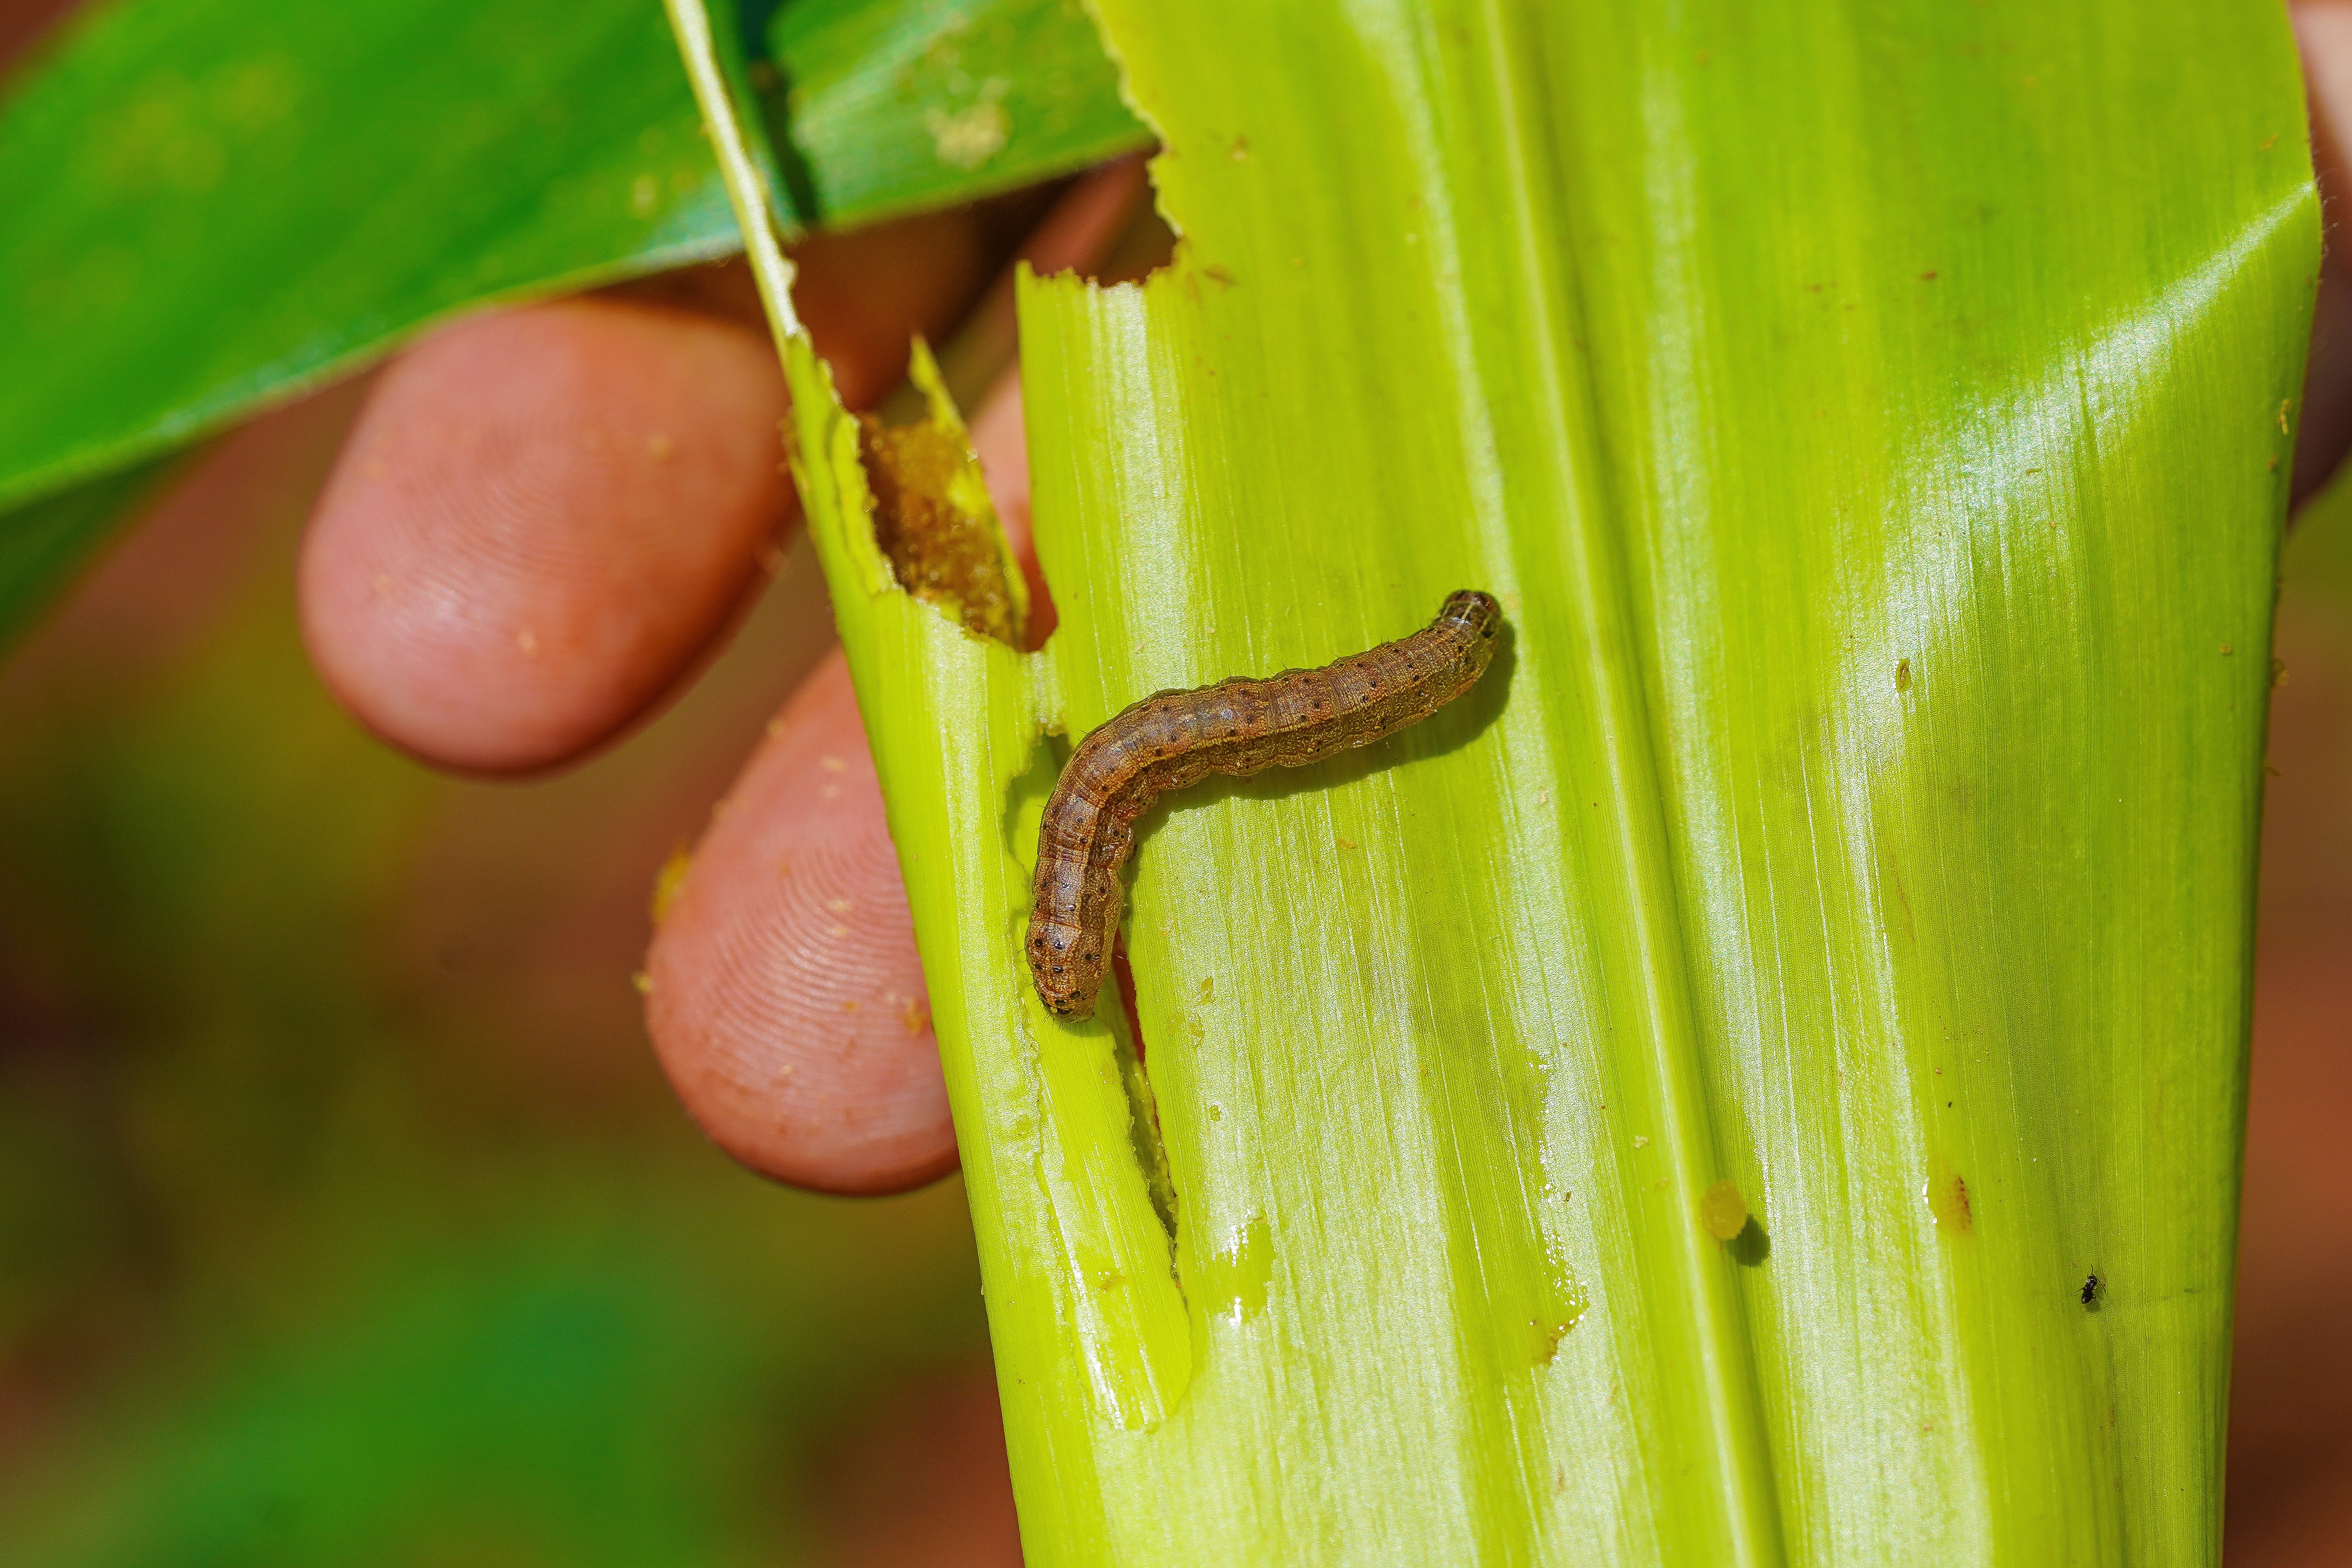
[(1159, 745)]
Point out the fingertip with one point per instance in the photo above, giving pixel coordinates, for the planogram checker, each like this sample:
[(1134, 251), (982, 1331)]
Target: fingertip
[(541, 519), (2324, 427), (785, 999)]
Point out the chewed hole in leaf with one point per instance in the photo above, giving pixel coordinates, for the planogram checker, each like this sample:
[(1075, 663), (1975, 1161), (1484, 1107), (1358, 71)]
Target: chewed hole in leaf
[(941, 545)]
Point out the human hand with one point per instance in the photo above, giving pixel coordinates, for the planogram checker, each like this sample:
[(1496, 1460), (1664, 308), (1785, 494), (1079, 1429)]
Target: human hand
[(543, 523)]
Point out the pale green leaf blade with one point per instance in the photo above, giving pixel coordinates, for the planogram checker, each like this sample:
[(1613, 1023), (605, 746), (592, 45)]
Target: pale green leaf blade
[(1875, 421), (1054, 1122)]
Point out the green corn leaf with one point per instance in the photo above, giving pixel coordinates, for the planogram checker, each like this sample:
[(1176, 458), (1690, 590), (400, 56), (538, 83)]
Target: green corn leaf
[(213, 208), (893, 105), (216, 206), (1875, 424)]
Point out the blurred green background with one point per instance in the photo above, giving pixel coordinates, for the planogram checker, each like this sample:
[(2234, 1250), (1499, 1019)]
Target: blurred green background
[(344, 1217)]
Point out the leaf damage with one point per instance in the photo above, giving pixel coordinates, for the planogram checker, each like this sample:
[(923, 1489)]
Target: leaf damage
[(940, 548)]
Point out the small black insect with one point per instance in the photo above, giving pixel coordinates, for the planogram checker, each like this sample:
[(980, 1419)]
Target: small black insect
[(2092, 1288)]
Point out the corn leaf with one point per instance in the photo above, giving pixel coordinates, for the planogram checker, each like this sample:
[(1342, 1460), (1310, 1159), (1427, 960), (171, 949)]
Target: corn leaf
[(1875, 423), (889, 106), (213, 208)]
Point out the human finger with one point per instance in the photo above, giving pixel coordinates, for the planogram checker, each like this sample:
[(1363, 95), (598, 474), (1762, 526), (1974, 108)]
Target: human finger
[(544, 518), (2323, 33), (541, 520), (784, 997)]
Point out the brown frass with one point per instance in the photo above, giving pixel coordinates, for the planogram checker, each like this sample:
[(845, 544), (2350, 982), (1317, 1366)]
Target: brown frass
[(937, 550)]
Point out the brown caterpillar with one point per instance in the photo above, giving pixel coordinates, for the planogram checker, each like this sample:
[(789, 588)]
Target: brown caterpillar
[(1241, 726)]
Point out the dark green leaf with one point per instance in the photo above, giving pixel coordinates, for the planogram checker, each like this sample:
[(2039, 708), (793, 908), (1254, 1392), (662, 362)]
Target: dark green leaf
[(213, 207), (898, 104)]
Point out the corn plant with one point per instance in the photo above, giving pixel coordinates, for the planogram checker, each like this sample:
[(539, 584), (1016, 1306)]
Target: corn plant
[(1761, 1080)]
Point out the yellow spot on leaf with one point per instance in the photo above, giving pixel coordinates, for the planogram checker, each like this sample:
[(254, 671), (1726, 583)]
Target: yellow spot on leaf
[(1948, 1200), (1723, 1211), (968, 137)]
